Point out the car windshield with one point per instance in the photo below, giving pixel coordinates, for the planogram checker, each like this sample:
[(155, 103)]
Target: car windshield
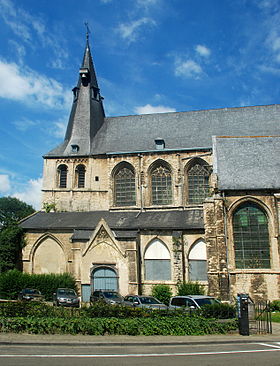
[(111, 295), (148, 300), (31, 291), (66, 292), (206, 301)]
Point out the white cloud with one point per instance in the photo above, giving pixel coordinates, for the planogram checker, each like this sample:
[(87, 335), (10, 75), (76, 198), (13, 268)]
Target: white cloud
[(30, 29), (188, 69), (203, 50), (5, 185), (27, 86), (148, 109), (146, 3), (60, 128), (32, 193), (130, 31), (24, 124)]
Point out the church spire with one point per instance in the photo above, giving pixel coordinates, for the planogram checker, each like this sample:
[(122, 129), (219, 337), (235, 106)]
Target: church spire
[(87, 114)]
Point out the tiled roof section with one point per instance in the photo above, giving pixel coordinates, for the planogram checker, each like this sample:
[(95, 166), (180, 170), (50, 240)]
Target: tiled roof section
[(247, 163), (118, 221), (184, 130)]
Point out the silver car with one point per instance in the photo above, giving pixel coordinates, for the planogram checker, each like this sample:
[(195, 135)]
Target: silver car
[(66, 297), (140, 301), (191, 301)]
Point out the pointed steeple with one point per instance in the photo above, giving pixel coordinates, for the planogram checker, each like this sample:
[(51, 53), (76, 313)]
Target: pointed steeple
[(87, 114)]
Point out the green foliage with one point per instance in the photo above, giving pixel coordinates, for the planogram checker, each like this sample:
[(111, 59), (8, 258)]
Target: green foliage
[(11, 244), (114, 326), (275, 305), (275, 317), (12, 282), (218, 311), (48, 207), (11, 235), (189, 288), (13, 210), (162, 292)]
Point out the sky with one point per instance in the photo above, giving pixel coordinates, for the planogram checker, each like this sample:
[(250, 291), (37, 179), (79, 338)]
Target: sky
[(150, 56)]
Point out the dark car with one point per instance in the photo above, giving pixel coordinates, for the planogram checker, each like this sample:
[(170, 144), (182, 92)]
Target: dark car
[(144, 302), (107, 296), (30, 294), (66, 297), (191, 301)]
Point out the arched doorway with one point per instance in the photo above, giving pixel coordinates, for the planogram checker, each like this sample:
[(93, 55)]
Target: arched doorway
[(104, 278)]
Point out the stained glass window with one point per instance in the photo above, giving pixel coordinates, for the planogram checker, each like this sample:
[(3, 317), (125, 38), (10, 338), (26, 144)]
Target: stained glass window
[(251, 237), (198, 183), (161, 186), (125, 187)]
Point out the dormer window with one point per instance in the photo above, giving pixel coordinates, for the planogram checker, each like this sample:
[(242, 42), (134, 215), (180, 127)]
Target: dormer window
[(160, 144), (75, 149)]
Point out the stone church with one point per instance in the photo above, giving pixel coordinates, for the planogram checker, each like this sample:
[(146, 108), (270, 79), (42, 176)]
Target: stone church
[(161, 198)]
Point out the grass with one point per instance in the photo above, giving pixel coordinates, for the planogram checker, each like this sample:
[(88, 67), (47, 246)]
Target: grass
[(275, 317)]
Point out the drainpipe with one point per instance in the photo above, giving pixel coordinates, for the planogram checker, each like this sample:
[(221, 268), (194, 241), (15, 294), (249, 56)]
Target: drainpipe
[(139, 263)]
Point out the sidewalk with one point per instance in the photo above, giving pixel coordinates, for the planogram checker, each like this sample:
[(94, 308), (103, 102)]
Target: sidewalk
[(123, 340)]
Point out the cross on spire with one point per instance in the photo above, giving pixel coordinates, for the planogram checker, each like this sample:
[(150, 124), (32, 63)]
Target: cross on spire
[(88, 31)]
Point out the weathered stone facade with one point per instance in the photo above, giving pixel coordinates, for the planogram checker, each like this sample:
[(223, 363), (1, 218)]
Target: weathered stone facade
[(182, 194)]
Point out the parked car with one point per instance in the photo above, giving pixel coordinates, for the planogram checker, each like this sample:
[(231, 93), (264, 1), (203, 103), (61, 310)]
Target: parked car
[(191, 302), (144, 302), (30, 294), (66, 297), (107, 296)]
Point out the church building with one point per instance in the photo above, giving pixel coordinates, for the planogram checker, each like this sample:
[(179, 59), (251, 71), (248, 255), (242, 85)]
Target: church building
[(134, 201)]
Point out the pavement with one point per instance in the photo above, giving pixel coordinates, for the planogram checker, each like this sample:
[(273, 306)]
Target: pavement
[(124, 340)]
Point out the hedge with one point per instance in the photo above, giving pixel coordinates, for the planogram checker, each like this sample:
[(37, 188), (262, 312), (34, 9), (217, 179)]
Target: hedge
[(12, 282), (113, 326)]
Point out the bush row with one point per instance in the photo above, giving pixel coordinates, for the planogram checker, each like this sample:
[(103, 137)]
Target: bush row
[(114, 326), (275, 305), (12, 282), (101, 310)]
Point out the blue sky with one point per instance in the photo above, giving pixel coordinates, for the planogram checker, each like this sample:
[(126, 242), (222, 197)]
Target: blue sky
[(150, 56)]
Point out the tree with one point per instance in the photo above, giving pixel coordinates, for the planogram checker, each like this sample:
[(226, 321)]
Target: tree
[(13, 210), (11, 234)]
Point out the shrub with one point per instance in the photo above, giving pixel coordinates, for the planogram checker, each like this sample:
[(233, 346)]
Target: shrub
[(275, 305), (12, 282), (218, 311), (162, 292), (189, 288), (95, 326)]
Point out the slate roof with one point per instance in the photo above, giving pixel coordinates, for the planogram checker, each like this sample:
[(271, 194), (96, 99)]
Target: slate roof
[(180, 130), (247, 163), (119, 221)]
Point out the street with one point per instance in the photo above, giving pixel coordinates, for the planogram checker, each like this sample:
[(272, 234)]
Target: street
[(208, 354)]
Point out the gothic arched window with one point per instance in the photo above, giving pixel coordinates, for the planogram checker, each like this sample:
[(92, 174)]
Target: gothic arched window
[(251, 237), (62, 176), (197, 182), (124, 186), (80, 176), (157, 262), (161, 182), (197, 261)]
